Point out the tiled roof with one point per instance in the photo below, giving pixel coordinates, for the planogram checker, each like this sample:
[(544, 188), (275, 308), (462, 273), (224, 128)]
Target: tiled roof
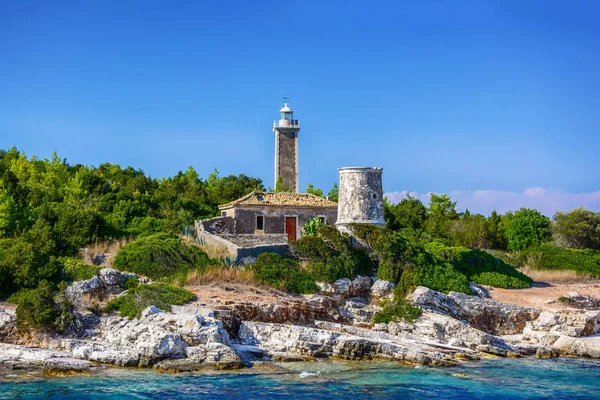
[(282, 199)]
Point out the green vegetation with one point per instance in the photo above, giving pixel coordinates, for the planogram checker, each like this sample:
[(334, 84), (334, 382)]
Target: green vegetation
[(76, 270), (35, 307), (312, 226), (480, 266), (330, 255), (161, 257), (163, 296), (283, 273), (578, 229), (398, 309), (527, 229), (549, 257)]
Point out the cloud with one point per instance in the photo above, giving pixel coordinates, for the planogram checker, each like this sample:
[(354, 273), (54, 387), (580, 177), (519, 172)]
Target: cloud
[(486, 201)]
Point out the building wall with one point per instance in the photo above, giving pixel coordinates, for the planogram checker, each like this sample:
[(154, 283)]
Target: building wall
[(286, 157), (274, 218)]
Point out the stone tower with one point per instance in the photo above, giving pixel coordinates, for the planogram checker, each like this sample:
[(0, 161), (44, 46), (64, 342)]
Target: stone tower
[(360, 197), (286, 148)]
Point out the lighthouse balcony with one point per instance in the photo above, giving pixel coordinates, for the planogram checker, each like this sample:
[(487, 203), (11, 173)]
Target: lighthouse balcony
[(286, 123)]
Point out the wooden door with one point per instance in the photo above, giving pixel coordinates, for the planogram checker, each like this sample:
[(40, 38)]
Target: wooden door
[(290, 227)]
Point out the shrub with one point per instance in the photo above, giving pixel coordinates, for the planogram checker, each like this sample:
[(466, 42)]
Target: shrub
[(132, 283), (527, 229), (35, 307), (161, 256), (161, 295), (283, 273), (331, 255), (398, 309), (549, 257), (312, 226), (75, 270), (480, 266)]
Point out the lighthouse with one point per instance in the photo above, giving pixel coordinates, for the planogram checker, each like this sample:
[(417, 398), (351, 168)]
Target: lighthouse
[(286, 149)]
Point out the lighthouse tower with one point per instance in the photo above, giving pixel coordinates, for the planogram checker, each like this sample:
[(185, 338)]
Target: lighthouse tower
[(286, 149)]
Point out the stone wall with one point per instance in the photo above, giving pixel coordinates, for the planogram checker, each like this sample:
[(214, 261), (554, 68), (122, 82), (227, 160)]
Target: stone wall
[(274, 218), (244, 249), (218, 225)]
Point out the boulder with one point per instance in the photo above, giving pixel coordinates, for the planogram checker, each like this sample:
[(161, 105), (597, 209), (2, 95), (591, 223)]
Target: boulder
[(486, 315), (580, 347), (360, 286), (480, 290), (568, 323), (381, 289), (52, 362), (109, 282)]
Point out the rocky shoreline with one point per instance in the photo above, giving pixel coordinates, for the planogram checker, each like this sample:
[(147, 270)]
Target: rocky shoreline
[(335, 323)]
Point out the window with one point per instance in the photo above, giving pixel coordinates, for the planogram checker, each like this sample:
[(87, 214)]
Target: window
[(260, 223), (323, 220), (223, 213)]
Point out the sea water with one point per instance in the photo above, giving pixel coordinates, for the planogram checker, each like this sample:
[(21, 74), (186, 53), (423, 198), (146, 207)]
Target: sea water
[(563, 378)]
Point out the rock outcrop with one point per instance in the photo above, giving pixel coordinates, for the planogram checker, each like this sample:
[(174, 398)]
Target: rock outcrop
[(52, 362), (359, 287), (382, 289), (301, 341), (109, 282), (156, 337), (8, 323), (489, 316)]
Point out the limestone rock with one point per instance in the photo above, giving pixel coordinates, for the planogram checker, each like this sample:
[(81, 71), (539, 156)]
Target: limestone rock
[(480, 290), (546, 352), (341, 287), (563, 323), (8, 323), (58, 363), (99, 288), (382, 288), (581, 347), (360, 286), (347, 342), (487, 315)]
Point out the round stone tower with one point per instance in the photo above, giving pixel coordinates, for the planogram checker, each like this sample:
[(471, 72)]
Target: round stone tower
[(360, 197)]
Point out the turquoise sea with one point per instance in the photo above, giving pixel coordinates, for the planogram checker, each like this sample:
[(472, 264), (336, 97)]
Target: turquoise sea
[(490, 379)]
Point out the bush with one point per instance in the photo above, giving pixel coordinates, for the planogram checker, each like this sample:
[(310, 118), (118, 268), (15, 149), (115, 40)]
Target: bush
[(331, 255), (163, 296), (480, 266), (527, 229), (283, 273), (549, 257), (398, 309), (75, 270), (312, 226), (161, 256), (35, 307)]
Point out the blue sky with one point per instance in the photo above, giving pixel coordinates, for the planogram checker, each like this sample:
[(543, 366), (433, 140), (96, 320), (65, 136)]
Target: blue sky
[(446, 95)]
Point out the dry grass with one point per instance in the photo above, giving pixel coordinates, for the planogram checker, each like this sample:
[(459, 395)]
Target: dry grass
[(562, 276), (109, 249), (222, 275)]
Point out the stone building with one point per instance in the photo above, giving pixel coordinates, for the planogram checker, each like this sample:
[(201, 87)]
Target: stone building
[(277, 213)]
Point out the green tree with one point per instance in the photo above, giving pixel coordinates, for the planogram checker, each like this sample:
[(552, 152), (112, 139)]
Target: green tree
[(471, 231), (409, 213), (442, 211), (578, 229), (312, 190), (527, 229), (334, 193)]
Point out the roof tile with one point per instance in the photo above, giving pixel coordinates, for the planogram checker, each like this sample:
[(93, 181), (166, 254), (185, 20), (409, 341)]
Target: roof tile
[(284, 199)]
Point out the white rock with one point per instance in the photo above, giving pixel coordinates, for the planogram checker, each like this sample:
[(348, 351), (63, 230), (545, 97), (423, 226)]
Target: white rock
[(381, 288)]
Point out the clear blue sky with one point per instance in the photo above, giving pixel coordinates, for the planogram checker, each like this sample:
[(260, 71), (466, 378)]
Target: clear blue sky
[(446, 95)]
